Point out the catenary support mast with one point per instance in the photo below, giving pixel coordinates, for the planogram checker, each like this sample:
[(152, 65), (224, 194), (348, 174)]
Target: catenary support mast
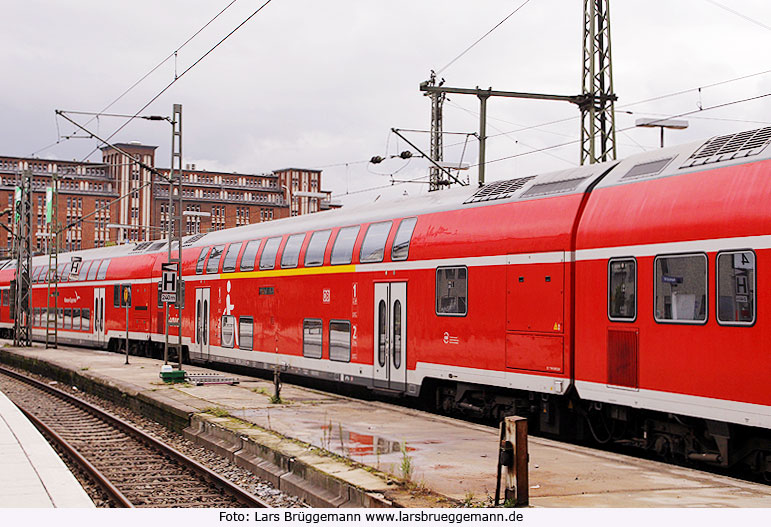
[(598, 123)]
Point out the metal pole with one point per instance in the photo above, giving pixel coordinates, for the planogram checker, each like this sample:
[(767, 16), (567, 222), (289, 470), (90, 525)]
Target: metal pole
[(482, 136), (177, 109), (521, 456), (127, 332)]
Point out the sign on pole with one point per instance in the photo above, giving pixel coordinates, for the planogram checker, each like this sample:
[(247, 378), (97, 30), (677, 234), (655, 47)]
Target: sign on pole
[(169, 282)]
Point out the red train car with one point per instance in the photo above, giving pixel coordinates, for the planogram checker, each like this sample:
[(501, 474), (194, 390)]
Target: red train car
[(619, 300)]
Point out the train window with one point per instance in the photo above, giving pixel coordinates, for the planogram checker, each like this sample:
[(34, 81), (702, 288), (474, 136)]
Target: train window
[(116, 295), (397, 333), (67, 318), (67, 272), (622, 289), (199, 266), (93, 270), (245, 333), (268, 258), (401, 245), (84, 270), (213, 265), (340, 340), (291, 253), (250, 255), (736, 288), (312, 338), (228, 331), (451, 291), (6, 297), (680, 288), (314, 254), (102, 273), (342, 250), (231, 257), (60, 276), (76, 319), (86, 317), (373, 246)]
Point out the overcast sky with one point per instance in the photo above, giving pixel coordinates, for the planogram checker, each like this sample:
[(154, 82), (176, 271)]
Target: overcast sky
[(319, 84)]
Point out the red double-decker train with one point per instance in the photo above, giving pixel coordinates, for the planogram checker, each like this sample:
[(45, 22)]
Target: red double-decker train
[(618, 300)]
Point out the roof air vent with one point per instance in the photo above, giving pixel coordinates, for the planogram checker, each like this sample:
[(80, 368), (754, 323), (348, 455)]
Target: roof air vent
[(498, 190), (190, 241), (647, 169), (727, 147), (142, 246), (553, 187)]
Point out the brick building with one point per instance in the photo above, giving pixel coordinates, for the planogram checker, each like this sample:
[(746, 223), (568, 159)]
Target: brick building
[(231, 199)]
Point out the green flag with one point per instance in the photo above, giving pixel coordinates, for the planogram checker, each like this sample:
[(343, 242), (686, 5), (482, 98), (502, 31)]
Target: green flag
[(17, 204), (49, 203)]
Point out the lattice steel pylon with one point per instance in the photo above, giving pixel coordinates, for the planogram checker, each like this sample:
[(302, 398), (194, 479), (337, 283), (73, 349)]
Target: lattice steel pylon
[(437, 147), (22, 324), (598, 123)]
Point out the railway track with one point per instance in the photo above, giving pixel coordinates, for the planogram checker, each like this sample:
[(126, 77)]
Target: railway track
[(133, 468)]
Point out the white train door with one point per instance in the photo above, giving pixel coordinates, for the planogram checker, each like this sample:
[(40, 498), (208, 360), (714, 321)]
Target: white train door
[(99, 315), (202, 308), (390, 336)]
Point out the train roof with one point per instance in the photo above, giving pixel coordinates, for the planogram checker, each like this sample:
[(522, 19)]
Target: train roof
[(715, 152)]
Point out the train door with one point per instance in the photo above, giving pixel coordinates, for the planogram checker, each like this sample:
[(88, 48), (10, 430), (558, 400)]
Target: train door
[(390, 340), (99, 315), (202, 308)]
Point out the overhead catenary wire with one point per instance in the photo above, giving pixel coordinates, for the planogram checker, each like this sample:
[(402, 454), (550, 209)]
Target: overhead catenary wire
[(480, 39), (740, 15), (185, 71), (685, 114), (141, 79)]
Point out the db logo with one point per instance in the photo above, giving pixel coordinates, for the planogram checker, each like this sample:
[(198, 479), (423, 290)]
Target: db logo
[(446, 338), (326, 296)]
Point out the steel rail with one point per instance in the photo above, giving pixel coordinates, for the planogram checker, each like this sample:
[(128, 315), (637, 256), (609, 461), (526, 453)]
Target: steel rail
[(213, 478), (86, 465)]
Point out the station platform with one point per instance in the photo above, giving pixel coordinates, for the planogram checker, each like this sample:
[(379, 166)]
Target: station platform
[(354, 453), (33, 474)]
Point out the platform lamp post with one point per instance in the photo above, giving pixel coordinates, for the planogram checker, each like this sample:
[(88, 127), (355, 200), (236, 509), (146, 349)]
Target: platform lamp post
[(674, 124)]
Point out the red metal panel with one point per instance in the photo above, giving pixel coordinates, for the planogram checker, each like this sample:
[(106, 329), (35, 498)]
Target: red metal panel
[(525, 351), (534, 297)]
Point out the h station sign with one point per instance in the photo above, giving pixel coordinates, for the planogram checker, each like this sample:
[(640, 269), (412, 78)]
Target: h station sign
[(169, 281)]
